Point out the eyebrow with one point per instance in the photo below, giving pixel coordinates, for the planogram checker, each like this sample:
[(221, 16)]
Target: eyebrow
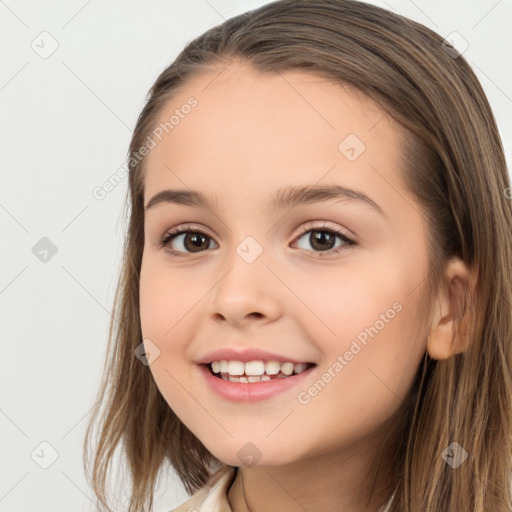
[(284, 198)]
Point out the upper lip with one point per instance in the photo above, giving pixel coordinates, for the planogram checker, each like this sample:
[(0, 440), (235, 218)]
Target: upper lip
[(245, 355)]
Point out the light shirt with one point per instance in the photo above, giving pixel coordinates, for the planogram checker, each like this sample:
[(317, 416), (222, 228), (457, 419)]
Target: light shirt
[(213, 497)]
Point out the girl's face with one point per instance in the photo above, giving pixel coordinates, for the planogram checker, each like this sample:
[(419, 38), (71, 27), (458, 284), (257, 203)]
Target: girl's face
[(258, 272)]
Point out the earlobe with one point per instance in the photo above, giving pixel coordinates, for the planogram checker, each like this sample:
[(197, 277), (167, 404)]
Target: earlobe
[(450, 330), (441, 337)]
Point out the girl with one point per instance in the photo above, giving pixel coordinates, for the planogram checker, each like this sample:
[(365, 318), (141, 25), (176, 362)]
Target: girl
[(315, 306)]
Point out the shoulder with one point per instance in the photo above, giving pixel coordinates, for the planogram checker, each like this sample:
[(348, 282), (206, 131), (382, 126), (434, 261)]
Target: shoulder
[(213, 497)]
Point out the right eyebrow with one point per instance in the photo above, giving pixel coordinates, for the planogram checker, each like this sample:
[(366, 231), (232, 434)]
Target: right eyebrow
[(185, 197)]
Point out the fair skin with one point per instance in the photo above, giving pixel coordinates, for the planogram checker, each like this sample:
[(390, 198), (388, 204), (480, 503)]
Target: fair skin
[(250, 135)]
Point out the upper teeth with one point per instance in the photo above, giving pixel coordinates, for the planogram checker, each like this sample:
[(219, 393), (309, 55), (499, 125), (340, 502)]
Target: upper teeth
[(257, 367)]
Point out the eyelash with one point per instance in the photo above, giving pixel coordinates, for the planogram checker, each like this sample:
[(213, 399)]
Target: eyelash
[(348, 243)]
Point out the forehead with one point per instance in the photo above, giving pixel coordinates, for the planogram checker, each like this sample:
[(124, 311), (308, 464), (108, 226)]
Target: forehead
[(268, 129)]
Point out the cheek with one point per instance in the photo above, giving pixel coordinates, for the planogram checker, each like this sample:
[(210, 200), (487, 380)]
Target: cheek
[(166, 302), (368, 316), (371, 354), (164, 298), (344, 301)]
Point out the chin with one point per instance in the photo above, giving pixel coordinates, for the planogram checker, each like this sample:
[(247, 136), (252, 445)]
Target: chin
[(247, 454)]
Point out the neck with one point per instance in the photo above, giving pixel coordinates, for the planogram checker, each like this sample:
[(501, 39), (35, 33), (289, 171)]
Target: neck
[(334, 481)]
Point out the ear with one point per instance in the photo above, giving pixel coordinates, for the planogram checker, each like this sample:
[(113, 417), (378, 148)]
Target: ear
[(450, 330)]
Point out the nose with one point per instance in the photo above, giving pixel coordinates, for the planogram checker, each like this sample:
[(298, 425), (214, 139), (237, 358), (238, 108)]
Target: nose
[(246, 292)]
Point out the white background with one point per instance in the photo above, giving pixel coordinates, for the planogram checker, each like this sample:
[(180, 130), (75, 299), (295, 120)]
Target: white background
[(66, 125)]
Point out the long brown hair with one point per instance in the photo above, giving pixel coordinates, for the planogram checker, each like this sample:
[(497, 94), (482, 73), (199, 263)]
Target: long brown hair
[(453, 163)]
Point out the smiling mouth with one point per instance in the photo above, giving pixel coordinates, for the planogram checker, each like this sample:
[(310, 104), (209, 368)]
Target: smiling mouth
[(289, 371)]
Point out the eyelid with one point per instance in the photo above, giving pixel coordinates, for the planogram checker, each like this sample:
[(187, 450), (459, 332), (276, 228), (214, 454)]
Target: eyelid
[(349, 241), (308, 226), (187, 226), (313, 225)]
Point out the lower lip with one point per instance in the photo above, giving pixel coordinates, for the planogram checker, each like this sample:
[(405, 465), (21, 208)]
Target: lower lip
[(251, 391)]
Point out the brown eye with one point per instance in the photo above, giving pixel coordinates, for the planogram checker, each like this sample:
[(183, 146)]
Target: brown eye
[(183, 241), (323, 240)]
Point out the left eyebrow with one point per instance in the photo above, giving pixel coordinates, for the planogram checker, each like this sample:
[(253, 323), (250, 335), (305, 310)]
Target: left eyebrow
[(285, 198), (293, 196)]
